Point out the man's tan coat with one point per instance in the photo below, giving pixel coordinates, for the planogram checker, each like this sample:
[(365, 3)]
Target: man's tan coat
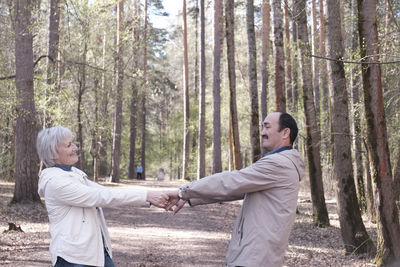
[(270, 188)]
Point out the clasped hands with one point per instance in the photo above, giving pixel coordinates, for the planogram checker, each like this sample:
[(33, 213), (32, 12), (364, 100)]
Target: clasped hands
[(166, 200)]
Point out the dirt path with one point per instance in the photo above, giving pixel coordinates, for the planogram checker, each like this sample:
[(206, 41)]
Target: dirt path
[(197, 236)]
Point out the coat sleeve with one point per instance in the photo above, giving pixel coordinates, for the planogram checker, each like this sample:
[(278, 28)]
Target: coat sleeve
[(268, 172), (200, 201), (67, 191)]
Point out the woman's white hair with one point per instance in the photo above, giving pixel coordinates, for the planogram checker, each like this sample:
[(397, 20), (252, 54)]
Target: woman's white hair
[(47, 143)]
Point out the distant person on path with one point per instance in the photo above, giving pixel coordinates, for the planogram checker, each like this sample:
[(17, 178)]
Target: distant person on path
[(269, 188), (79, 235), (139, 171)]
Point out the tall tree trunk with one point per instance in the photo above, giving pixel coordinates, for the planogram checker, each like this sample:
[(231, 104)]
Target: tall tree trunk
[(54, 38), (320, 212), (144, 93), (354, 234), (216, 101), (26, 162), (322, 48), (288, 63), (116, 150), (230, 44), (295, 64), (355, 81), (196, 51), (133, 104), (253, 91), (186, 110), (388, 227), (81, 91), (279, 56), (266, 25), (369, 187), (95, 150), (103, 164), (201, 167), (315, 61)]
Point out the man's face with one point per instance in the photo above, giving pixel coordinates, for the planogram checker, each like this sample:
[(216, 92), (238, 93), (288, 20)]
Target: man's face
[(271, 137)]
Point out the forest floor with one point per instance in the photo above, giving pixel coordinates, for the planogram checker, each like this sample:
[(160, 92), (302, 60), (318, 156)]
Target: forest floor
[(150, 237)]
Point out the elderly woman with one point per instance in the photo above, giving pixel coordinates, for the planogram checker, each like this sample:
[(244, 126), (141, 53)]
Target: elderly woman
[(79, 235)]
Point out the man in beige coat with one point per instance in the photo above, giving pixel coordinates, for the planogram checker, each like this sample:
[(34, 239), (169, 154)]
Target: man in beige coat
[(269, 188)]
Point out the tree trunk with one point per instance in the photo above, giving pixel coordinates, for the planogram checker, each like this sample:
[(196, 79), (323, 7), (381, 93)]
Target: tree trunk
[(116, 155), (315, 61), (230, 44), (354, 234), (322, 48), (105, 93), (295, 64), (266, 25), (253, 91), (216, 101), (369, 187), (279, 56), (186, 110), (26, 162), (133, 104), (54, 38), (144, 93), (288, 64), (320, 212), (201, 167), (355, 82), (388, 227), (81, 91)]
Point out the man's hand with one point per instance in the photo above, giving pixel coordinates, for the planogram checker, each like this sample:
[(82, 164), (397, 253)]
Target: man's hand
[(179, 206), (157, 198)]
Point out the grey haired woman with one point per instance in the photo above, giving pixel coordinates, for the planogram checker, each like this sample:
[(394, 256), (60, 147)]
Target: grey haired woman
[(79, 235)]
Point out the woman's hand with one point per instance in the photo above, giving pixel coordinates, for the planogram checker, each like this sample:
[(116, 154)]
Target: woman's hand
[(157, 198)]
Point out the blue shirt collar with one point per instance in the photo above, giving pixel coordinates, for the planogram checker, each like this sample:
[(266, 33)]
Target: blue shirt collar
[(277, 150), (63, 167)]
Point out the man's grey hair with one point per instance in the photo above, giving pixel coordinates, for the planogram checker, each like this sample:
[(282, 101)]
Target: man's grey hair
[(47, 143)]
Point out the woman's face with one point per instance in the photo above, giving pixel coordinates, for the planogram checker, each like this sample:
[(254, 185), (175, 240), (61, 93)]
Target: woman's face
[(67, 152)]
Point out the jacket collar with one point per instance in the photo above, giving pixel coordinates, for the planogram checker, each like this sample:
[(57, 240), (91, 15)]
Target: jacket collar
[(64, 167), (277, 150)]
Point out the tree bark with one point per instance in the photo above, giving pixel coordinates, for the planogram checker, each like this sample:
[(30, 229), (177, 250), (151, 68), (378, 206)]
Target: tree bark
[(322, 48), (201, 167), (295, 65), (320, 213), (26, 162), (355, 81), (144, 92), (279, 56), (134, 96), (230, 41), (315, 61), (186, 110), (354, 234), (288, 63), (253, 91), (388, 223), (266, 25), (216, 101), (116, 155)]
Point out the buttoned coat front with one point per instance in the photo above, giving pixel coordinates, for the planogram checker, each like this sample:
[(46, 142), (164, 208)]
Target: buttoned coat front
[(270, 189)]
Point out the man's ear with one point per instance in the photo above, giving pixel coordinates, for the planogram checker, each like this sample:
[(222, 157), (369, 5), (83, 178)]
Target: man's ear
[(286, 133)]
